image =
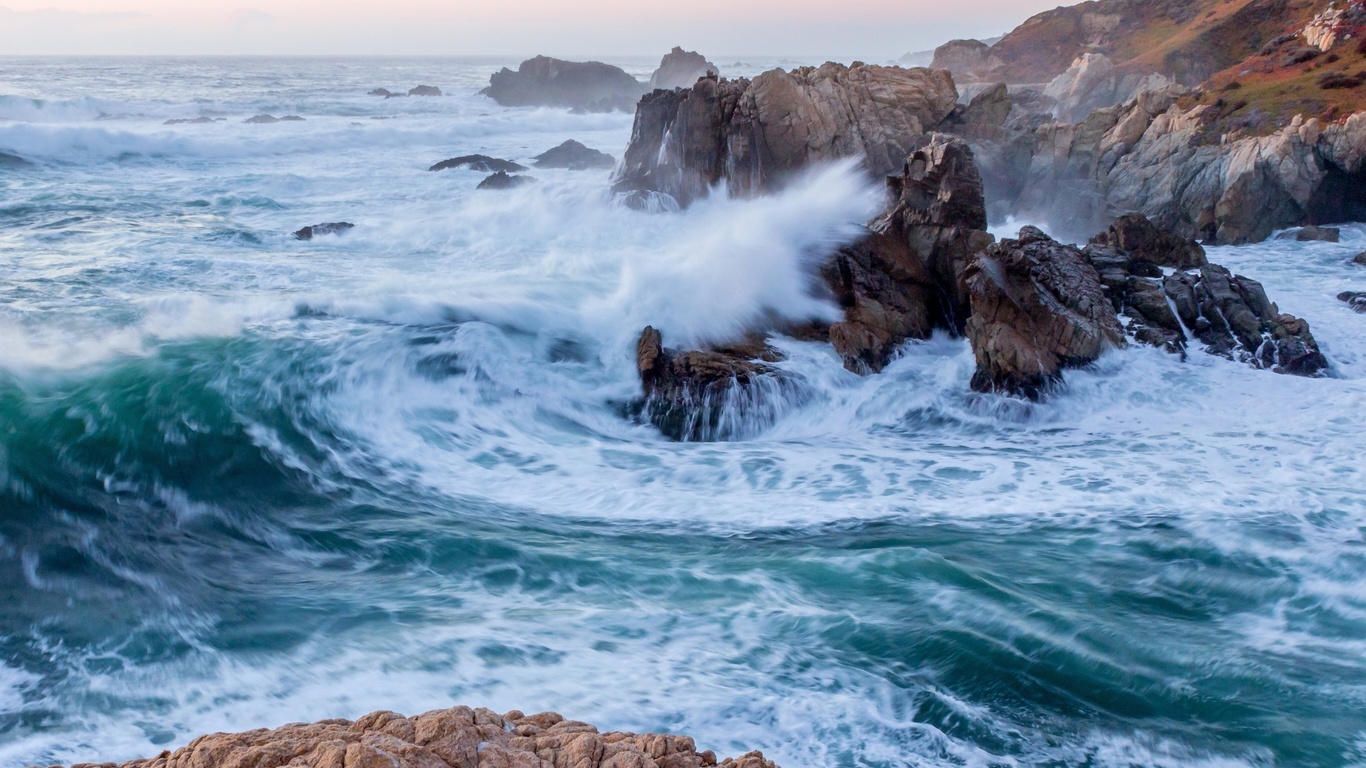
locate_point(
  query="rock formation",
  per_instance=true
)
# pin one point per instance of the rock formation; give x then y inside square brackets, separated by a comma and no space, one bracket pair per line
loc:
[189,121]
[1354,299]
[1093,82]
[330,228]
[1229,314]
[425,90]
[1313,234]
[503,180]
[385,92]
[481,163]
[1038,307]
[681,69]
[1360,259]
[451,738]
[262,120]
[545,82]
[574,156]
[754,135]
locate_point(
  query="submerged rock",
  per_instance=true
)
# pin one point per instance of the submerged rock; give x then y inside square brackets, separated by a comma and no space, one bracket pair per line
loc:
[189,121]
[1038,307]
[1354,299]
[13,161]
[450,738]
[574,156]
[291,119]
[481,163]
[681,69]
[425,90]
[1311,234]
[545,82]
[502,180]
[385,92]
[262,120]
[318,230]
[756,135]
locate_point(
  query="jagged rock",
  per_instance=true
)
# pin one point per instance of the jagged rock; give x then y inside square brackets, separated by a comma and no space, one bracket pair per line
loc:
[262,120]
[1093,82]
[1142,241]
[546,82]
[452,738]
[755,135]
[681,69]
[189,121]
[574,156]
[317,230]
[1037,307]
[481,163]
[722,392]
[1354,299]
[424,90]
[502,180]
[1234,318]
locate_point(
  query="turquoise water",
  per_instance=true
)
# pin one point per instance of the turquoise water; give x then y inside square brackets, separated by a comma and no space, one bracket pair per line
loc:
[246,480]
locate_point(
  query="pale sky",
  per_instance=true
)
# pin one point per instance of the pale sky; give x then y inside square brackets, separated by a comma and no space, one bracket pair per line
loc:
[873,30]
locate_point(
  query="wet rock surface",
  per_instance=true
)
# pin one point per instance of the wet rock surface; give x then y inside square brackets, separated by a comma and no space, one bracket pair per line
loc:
[1354,299]
[545,82]
[452,738]
[481,163]
[1038,307]
[574,156]
[504,180]
[318,230]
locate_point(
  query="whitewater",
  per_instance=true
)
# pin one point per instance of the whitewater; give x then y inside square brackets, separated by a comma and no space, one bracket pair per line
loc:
[247,480]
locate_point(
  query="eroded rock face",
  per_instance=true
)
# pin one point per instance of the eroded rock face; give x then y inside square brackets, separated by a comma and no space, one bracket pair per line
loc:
[545,82]
[1141,241]
[1038,307]
[450,738]
[681,69]
[1093,82]
[755,135]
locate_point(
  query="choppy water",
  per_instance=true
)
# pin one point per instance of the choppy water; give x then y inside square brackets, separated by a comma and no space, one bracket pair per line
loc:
[246,480]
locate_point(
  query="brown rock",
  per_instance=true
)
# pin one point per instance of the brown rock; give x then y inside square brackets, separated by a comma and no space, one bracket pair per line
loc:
[755,135]
[1037,307]
[389,740]
[1143,242]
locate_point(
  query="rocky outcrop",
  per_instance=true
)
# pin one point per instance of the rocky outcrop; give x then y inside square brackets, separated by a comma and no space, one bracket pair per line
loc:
[271,119]
[1093,82]
[424,90]
[1154,156]
[385,92]
[681,69]
[723,392]
[201,120]
[545,82]
[574,156]
[504,180]
[1229,314]
[964,57]
[1354,299]
[450,738]
[481,163]
[1313,234]
[755,135]
[318,230]
[1360,258]
[1038,307]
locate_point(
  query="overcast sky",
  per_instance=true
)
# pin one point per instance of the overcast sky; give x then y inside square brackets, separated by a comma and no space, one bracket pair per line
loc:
[873,30]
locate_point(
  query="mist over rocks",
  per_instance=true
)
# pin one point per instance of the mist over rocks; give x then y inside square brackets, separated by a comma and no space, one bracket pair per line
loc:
[756,135]
[681,69]
[503,180]
[590,86]
[460,737]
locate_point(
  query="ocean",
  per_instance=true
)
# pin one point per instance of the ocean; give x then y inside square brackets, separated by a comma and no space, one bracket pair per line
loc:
[247,480]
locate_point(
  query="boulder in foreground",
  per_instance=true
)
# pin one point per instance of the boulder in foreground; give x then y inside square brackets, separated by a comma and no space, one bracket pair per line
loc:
[589,86]
[449,738]
[1038,308]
